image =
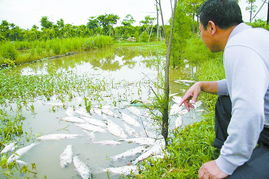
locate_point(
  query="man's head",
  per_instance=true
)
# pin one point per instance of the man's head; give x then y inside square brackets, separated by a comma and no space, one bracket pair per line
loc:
[217,19]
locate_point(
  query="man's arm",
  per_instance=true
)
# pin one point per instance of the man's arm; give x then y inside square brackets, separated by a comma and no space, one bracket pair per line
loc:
[247,79]
[206,86]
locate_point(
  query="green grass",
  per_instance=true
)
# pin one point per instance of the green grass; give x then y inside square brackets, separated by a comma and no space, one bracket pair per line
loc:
[191,146]
[27,51]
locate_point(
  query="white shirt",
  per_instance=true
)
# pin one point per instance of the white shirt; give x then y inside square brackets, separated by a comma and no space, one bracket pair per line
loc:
[246,63]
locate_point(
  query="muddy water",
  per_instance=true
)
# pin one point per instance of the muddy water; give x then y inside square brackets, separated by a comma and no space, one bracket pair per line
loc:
[128,76]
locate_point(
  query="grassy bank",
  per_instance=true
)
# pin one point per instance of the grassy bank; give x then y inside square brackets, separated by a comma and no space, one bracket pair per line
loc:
[26,51]
[192,146]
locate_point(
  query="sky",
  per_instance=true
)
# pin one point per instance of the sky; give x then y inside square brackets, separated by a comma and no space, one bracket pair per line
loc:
[26,13]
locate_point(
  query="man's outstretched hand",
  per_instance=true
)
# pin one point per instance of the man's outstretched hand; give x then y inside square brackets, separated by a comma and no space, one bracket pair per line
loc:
[191,96]
[210,170]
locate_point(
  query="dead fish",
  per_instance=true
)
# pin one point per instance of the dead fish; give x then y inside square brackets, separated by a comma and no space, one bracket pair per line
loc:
[183,112]
[125,170]
[155,150]
[90,134]
[9,148]
[91,127]
[94,121]
[141,140]
[174,94]
[73,119]
[58,136]
[81,168]
[175,109]
[185,81]
[129,153]
[69,112]
[20,162]
[115,129]
[106,110]
[82,112]
[97,111]
[107,142]
[130,131]
[178,121]
[197,104]
[128,119]
[66,156]
[176,99]
[134,111]
[20,152]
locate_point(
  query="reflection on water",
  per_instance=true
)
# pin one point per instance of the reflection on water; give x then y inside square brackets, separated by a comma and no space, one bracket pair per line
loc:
[129,75]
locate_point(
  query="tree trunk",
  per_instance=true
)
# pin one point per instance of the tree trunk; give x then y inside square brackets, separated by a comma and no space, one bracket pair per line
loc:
[157,16]
[165,116]
[268,12]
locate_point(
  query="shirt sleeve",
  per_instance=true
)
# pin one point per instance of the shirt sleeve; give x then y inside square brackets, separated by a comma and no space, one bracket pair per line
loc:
[222,87]
[247,81]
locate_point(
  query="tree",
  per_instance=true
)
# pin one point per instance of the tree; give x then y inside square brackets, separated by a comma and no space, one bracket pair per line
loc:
[251,8]
[93,22]
[45,23]
[60,24]
[107,21]
[128,20]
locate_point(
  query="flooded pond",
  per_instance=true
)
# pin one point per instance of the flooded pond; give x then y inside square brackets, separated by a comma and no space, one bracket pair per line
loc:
[97,110]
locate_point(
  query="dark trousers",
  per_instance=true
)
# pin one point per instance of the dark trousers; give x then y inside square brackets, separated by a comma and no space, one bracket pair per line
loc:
[258,165]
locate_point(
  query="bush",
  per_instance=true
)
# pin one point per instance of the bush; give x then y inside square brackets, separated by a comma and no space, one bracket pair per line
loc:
[8,51]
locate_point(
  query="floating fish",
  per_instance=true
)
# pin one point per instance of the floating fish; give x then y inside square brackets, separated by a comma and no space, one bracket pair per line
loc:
[134,110]
[106,110]
[107,142]
[128,119]
[58,136]
[81,168]
[20,162]
[197,104]
[66,156]
[129,153]
[82,112]
[185,81]
[20,152]
[141,140]
[155,150]
[175,109]
[183,112]
[73,119]
[115,129]
[90,134]
[178,121]
[176,99]
[9,148]
[174,94]
[69,112]
[91,127]
[130,131]
[94,121]
[125,170]
[97,111]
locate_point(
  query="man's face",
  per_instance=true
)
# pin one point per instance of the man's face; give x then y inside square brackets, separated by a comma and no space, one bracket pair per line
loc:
[208,38]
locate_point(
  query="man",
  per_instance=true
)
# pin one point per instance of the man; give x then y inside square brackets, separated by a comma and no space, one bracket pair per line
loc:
[242,109]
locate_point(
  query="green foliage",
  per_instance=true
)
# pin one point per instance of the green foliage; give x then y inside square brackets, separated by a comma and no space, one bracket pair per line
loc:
[45,23]
[8,51]
[260,23]
[128,20]
[34,50]
[196,52]
[182,31]
[191,146]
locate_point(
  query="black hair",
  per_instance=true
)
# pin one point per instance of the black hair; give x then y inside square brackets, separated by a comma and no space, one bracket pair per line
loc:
[224,13]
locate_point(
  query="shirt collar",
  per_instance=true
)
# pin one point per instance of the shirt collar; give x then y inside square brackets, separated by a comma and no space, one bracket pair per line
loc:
[239,28]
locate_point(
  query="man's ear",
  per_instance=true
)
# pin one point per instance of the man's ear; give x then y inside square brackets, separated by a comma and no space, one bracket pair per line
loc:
[211,27]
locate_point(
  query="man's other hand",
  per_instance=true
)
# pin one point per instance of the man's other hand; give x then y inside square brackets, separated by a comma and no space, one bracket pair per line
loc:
[210,170]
